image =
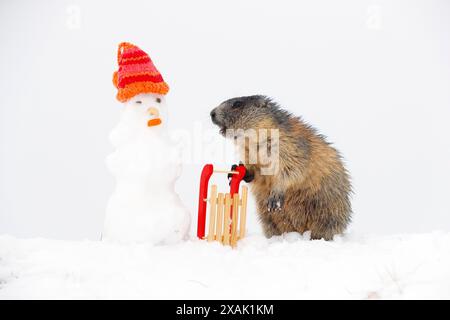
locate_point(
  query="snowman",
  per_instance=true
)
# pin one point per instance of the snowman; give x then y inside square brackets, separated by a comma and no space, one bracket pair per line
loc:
[144,206]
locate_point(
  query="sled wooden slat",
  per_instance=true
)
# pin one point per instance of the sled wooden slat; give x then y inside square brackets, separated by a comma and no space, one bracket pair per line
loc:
[243,214]
[219,222]
[226,223]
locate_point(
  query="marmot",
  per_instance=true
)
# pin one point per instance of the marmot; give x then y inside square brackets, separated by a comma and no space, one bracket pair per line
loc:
[311,188]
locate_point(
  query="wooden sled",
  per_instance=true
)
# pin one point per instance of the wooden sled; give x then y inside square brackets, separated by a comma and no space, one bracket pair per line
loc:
[228,211]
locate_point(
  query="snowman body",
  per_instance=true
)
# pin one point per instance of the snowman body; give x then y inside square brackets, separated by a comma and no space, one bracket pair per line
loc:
[144,206]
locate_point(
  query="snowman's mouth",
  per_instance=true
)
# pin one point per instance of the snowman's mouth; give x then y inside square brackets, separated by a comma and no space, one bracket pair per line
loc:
[154,122]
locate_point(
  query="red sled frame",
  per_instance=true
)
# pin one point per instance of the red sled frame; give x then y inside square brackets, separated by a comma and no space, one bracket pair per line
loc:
[237,175]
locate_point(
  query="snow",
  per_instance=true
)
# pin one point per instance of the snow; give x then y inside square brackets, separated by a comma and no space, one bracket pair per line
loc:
[144,206]
[414,266]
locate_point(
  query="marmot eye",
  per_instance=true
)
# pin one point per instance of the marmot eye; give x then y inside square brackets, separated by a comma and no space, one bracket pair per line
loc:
[237,104]
[138,101]
[158,100]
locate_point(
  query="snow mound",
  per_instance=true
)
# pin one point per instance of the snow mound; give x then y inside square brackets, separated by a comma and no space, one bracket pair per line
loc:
[286,267]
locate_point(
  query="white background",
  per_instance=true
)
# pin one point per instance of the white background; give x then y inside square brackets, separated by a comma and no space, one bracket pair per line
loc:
[374,76]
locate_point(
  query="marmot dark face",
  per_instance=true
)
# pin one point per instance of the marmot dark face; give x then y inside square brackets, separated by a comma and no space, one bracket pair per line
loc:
[242,113]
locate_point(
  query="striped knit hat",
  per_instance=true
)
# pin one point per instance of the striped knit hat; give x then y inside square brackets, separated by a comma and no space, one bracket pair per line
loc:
[137,73]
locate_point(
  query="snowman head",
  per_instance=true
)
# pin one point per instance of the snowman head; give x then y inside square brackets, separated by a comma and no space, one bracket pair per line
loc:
[149,108]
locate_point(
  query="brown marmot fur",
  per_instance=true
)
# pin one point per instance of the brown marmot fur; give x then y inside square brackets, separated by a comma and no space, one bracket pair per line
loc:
[311,188]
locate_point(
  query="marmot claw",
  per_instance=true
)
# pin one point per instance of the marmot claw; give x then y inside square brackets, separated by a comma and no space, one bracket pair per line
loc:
[230,175]
[275,202]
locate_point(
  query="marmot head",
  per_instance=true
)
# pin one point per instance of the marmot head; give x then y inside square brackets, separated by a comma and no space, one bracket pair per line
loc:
[251,112]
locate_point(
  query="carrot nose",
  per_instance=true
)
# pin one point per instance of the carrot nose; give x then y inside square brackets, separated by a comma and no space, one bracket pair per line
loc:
[155,121]
[153,112]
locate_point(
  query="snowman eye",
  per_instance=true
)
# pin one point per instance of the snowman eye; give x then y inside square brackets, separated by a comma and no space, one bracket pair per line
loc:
[138,101]
[158,100]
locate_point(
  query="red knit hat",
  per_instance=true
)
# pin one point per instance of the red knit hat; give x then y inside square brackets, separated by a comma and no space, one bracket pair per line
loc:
[137,73]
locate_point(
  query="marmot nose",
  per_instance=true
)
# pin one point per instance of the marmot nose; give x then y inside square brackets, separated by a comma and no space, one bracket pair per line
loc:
[213,114]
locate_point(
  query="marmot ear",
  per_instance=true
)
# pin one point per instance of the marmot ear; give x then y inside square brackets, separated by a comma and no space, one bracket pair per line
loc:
[263,101]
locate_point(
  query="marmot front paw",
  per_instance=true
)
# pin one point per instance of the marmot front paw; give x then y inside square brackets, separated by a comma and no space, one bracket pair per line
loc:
[248,177]
[275,202]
